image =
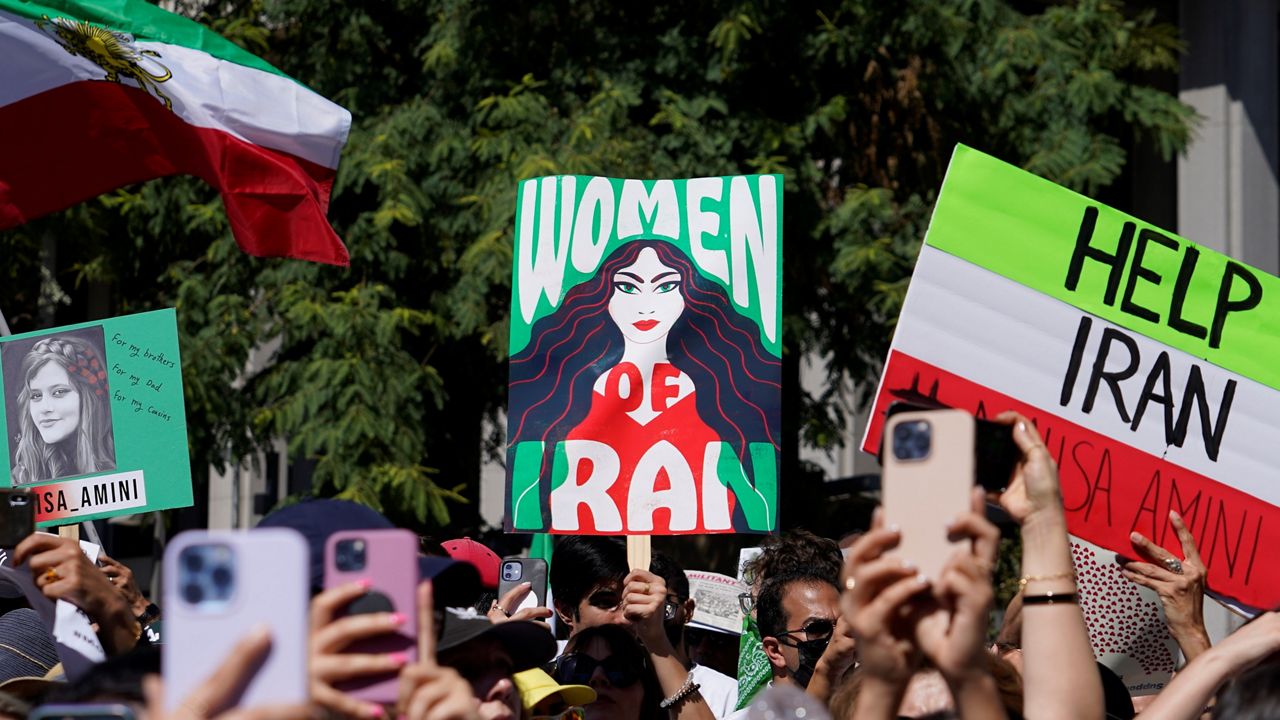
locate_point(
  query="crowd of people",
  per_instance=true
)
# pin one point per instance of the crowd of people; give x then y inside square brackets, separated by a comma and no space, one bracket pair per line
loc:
[852,632]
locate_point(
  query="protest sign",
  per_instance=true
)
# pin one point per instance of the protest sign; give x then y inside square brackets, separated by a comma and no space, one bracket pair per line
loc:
[716,603]
[95,419]
[1126,621]
[646,339]
[1146,362]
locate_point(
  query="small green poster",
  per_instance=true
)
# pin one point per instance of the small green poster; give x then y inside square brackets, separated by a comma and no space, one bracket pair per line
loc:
[94,418]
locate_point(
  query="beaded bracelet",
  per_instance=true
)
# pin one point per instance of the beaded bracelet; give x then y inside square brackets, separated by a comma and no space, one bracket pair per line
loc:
[1022,581]
[690,687]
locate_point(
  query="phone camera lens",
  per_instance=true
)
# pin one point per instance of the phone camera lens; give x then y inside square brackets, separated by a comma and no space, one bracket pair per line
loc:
[912,440]
[221,576]
[193,560]
[192,593]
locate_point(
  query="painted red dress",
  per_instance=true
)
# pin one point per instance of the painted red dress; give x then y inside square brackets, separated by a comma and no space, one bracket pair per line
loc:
[677,422]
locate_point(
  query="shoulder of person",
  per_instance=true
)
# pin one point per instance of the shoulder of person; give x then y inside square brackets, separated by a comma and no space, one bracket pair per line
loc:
[718,690]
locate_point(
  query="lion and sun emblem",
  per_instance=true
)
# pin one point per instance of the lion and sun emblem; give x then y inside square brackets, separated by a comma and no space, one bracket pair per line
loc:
[113,51]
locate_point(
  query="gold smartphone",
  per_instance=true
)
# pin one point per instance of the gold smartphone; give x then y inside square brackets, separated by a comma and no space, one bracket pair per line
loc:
[928,473]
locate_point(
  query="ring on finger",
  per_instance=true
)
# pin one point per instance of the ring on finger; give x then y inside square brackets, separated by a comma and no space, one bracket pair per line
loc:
[850,583]
[1173,565]
[51,575]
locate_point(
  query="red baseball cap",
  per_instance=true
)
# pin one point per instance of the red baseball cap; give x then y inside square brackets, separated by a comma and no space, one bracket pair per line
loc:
[469,551]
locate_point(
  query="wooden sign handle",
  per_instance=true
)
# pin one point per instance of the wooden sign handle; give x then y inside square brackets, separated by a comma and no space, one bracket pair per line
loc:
[639,548]
[70,531]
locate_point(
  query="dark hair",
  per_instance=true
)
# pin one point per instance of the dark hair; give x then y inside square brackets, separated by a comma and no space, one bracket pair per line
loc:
[1251,695]
[583,562]
[795,551]
[665,567]
[621,642]
[771,618]
[714,344]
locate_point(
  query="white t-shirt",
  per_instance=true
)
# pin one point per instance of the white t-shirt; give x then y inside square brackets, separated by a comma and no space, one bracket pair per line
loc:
[719,690]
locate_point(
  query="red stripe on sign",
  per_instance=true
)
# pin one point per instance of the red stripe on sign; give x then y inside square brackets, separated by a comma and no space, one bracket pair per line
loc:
[1110,489]
[80,140]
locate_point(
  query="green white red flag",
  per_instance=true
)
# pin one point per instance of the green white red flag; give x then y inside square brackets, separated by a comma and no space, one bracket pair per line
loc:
[98,94]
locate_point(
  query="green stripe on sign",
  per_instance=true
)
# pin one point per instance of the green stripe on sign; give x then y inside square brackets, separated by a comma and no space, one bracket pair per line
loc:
[145,22]
[1110,264]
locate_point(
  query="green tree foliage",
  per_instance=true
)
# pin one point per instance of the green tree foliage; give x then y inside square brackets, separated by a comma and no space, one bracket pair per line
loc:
[381,374]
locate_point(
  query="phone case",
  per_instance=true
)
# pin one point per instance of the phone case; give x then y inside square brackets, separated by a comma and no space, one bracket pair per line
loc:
[271,588]
[391,566]
[533,571]
[922,496]
[17,516]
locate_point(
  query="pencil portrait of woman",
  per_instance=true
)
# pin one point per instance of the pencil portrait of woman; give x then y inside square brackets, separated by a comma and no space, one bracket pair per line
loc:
[61,402]
[646,350]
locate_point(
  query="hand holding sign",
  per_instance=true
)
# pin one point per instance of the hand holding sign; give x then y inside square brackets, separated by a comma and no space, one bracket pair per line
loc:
[62,572]
[427,690]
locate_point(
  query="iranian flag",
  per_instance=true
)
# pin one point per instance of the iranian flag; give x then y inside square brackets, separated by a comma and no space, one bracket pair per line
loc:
[96,95]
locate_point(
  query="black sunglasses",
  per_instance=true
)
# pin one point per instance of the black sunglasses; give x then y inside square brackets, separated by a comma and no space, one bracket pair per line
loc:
[813,630]
[577,669]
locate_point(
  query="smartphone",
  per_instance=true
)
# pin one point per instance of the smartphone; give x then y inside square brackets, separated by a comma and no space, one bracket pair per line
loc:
[218,585]
[17,516]
[928,473]
[994,451]
[517,570]
[388,559]
[93,711]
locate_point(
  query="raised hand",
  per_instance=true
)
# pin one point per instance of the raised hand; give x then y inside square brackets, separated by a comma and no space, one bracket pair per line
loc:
[1179,582]
[953,638]
[214,698]
[63,572]
[875,604]
[429,691]
[1033,490]
[330,666]
[504,608]
[644,600]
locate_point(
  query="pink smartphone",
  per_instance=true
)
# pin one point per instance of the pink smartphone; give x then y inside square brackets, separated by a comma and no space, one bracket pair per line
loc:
[928,473]
[388,559]
[220,585]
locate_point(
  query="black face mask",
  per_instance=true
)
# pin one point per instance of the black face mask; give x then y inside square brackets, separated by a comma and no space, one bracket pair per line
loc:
[810,651]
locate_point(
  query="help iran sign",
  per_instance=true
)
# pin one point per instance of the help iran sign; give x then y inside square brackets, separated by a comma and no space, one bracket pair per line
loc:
[646,344]
[1149,364]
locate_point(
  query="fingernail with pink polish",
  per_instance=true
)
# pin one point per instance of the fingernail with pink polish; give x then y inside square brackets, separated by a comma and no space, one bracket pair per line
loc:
[364,583]
[398,658]
[377,711]
[397,619]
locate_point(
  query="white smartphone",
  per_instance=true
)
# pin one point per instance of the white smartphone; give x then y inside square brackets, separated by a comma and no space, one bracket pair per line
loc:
[220,585]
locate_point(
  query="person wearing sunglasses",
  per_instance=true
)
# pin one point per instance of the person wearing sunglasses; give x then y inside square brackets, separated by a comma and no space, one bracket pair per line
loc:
[798,614]
[592,588]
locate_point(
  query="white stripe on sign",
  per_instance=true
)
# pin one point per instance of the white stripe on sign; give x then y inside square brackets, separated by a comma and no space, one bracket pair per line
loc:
[90,496]
[257,106]
[1020,342]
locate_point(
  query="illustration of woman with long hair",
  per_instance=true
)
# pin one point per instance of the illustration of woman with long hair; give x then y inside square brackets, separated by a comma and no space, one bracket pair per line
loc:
[64,412]
[646,350]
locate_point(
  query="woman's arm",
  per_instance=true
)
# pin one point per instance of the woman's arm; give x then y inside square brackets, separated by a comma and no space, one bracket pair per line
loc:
[1179,583]
[1060,675]
[1194,686]
[643,600]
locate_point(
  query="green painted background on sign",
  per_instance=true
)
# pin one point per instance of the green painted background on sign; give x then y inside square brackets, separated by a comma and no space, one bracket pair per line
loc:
[148,414]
